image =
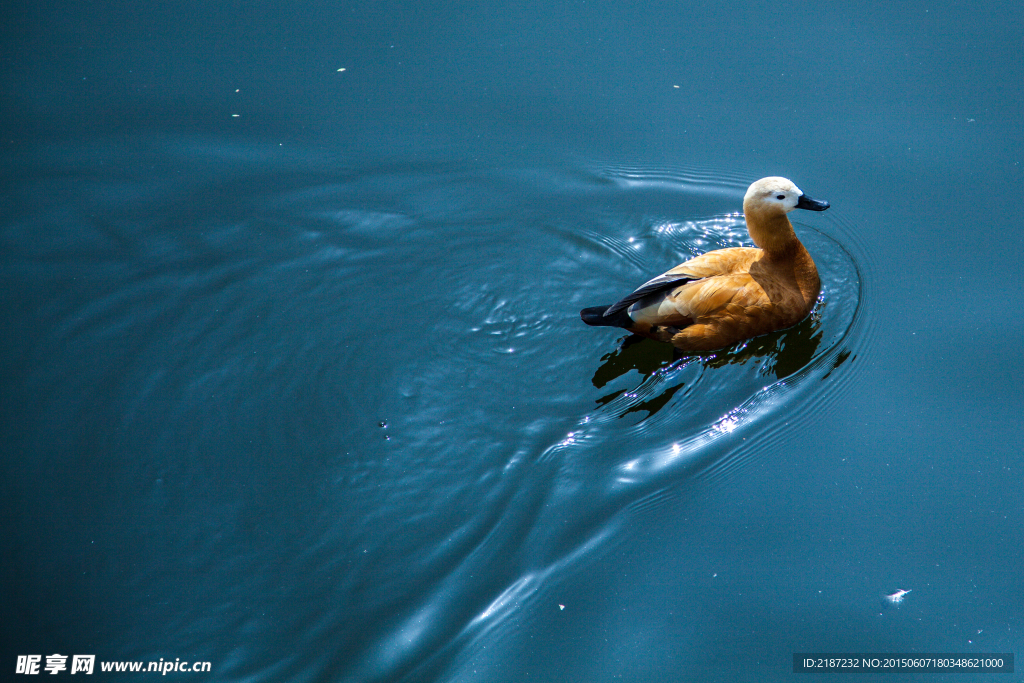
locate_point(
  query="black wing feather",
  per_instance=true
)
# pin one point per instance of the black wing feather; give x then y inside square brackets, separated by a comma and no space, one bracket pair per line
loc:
[658,284]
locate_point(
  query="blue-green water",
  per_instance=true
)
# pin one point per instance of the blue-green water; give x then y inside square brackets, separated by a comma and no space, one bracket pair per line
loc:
[294,380]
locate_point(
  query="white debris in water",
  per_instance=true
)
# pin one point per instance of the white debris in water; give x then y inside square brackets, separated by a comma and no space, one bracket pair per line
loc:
[896,598]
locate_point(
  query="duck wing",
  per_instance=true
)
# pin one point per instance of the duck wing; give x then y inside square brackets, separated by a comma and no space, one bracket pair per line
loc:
[661,283]
[711,264]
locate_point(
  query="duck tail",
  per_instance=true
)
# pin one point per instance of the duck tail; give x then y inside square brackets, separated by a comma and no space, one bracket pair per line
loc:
[595,315]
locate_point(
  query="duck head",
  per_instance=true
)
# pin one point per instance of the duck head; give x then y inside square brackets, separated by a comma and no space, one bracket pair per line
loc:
[765,206]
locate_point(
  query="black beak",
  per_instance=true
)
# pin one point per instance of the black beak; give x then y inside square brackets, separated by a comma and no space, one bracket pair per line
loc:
[806,202]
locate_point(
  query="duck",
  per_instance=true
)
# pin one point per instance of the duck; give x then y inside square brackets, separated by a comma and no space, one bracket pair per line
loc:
[727,296]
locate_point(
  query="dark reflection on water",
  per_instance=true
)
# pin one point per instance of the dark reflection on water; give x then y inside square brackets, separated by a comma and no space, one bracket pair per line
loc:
[355,409]
[786,352]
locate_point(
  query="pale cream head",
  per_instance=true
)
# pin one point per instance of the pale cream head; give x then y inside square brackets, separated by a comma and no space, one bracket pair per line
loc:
[765,207]
[772,193]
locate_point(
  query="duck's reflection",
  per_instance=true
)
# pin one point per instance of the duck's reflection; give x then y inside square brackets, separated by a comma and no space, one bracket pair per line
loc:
[785,352]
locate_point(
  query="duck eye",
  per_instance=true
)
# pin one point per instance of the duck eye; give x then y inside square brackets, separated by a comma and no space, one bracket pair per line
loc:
[781,196]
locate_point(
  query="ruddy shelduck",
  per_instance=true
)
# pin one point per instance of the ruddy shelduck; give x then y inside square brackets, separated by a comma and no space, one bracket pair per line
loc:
[725,296]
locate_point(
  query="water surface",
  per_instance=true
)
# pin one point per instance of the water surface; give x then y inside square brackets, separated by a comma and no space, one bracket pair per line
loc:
[294,380]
